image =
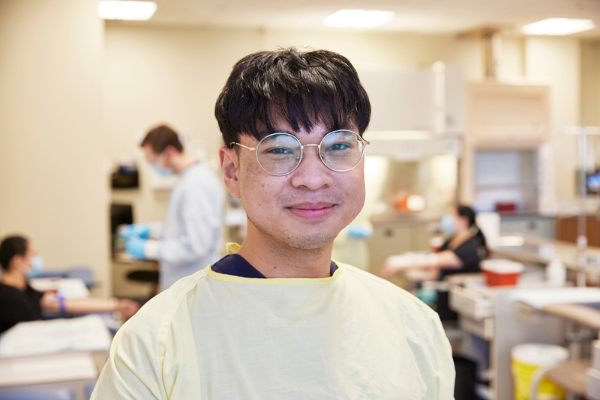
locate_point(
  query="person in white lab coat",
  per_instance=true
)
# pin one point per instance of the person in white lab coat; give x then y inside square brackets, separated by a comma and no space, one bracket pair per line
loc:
[279,319]
[190,237]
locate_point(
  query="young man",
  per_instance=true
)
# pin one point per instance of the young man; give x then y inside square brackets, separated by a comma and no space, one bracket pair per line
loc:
[279,319]
[190,238]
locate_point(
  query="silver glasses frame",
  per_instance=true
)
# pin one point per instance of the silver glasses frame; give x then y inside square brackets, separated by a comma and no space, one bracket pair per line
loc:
[364,141]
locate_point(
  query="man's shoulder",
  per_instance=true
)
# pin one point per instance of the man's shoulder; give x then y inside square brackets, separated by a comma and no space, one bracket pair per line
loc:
[161,310]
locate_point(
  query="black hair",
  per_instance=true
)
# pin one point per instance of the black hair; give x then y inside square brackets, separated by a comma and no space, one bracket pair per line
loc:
[301,88]
[469,213]
[160,137]
[10,247]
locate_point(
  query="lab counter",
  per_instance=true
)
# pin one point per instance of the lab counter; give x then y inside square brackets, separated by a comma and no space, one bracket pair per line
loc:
[63,355]
[539,251]
[531,311]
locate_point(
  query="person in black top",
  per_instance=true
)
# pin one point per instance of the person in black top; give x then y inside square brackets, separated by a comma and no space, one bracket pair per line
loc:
[462,252]
[466,245]
[19,302]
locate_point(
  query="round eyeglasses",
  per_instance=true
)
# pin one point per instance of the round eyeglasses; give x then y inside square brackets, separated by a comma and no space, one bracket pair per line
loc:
[280,154]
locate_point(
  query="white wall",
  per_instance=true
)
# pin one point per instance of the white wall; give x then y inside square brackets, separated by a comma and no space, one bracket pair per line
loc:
[590,74]
[590,104]
[51,163]
[556,62]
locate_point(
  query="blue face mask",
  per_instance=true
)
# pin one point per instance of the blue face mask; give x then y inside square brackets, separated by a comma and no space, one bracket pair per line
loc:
[37,267]
[447,225]
[162,171]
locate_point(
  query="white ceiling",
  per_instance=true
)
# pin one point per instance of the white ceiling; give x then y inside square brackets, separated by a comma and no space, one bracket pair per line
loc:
[433,16]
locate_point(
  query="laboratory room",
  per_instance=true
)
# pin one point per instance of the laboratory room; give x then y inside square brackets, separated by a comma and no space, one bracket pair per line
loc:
[299,200]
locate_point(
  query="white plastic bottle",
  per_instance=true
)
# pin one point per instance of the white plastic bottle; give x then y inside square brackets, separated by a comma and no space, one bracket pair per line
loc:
[556,273]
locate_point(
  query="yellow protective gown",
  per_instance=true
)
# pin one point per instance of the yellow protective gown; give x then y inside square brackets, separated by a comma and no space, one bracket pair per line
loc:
[215,336]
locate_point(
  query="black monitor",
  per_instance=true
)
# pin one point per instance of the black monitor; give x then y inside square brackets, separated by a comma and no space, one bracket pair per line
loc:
[592,182]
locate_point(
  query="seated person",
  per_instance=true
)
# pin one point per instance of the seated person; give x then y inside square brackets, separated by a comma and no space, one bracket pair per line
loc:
[20,302]
[462,251]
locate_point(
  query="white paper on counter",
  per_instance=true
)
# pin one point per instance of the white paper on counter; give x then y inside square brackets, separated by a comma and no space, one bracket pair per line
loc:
[69,288]
[566,295]
[41,337]
[44,369]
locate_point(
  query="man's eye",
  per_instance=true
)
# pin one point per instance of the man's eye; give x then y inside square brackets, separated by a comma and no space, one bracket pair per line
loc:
[279,150]
[339,147]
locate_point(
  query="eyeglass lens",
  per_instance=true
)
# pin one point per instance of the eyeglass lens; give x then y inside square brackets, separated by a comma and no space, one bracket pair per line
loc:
[281,153]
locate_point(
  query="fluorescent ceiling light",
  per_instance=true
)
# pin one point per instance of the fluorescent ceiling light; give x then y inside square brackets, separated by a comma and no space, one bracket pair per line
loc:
[558,26]
[126,10]
[349,18]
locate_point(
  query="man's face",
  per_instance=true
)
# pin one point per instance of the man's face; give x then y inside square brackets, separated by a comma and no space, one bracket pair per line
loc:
[161,163]
[151,156]
[305,209]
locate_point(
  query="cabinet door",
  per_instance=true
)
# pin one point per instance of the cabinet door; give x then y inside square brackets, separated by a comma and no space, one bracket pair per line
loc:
[567,229]
[400,99]
[528,226]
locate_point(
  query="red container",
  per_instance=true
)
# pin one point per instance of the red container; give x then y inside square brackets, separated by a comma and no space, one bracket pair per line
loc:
[506,206]
[496,279]
[501,272]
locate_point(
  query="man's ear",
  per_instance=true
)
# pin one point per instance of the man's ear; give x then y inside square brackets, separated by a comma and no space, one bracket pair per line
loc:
[170,152]
[230,167]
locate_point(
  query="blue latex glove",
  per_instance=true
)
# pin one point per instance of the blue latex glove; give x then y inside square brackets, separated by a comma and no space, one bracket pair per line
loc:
[427,295]
[135,247]
[136,230]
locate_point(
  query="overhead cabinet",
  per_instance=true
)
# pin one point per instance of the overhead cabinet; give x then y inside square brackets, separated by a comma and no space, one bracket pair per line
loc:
[503,115]
[408,100]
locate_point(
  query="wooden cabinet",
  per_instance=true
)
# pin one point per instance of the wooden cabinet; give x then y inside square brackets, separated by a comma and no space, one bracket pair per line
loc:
[567,229]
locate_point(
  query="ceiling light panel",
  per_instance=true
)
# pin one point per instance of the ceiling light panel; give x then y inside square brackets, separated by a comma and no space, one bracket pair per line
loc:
[126,10]
[558,26]
[360,19]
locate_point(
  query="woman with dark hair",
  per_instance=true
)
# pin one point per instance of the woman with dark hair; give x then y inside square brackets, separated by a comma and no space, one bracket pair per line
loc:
[19,302]
[462,251]
[465,246]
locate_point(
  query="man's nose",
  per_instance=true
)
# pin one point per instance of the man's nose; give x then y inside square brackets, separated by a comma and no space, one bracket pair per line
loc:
[311,173]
